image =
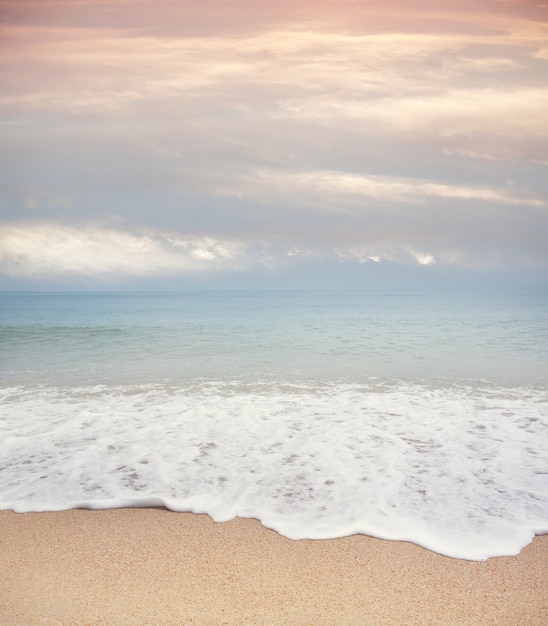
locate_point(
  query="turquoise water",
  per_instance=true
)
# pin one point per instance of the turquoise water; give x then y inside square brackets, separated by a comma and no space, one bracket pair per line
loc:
[501,336]
[405,415]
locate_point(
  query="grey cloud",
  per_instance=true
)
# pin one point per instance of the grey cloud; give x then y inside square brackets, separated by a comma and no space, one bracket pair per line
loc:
[274,137]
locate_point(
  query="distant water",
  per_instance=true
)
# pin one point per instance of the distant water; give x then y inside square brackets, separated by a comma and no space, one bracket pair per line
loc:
[419,416]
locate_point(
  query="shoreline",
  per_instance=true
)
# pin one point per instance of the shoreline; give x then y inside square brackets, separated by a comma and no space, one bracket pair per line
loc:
[154,566]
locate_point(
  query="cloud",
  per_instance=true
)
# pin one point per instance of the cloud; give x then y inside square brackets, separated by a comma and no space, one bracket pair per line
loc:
[90,250]
[426,88]
[323,185]
[184,137]
[464,239]
[494,124]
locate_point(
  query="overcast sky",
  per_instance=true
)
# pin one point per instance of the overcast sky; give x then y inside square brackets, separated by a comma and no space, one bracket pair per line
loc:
[245,143]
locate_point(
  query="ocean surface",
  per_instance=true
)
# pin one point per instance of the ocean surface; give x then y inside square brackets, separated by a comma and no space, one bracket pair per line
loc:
[410,415]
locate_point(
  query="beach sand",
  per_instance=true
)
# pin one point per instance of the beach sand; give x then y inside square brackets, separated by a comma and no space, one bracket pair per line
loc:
[153,566]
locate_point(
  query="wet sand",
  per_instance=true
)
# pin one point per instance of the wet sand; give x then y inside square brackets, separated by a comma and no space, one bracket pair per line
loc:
[153,566]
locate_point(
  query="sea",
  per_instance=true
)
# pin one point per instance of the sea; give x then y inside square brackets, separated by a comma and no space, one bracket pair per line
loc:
[416,415]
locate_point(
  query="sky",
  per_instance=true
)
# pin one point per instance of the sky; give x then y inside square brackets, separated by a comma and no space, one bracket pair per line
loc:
[174,144]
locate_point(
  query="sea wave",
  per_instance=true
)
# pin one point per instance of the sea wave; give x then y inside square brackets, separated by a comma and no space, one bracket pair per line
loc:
[456,467]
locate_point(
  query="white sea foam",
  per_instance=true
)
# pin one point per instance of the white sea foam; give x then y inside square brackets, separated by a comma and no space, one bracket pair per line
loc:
[458,468]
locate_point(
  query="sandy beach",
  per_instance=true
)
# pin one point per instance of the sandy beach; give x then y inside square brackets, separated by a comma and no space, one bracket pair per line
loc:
[153,566]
